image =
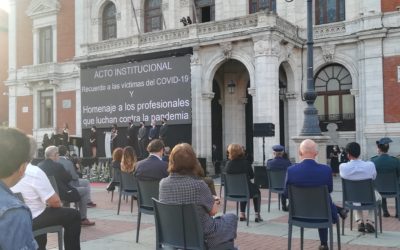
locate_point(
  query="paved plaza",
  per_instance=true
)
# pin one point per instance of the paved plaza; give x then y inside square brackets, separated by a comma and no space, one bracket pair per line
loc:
[114,231]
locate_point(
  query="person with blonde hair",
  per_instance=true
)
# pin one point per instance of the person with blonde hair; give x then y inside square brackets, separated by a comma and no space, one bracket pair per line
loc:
[185,186]
[129,160]
[238,164]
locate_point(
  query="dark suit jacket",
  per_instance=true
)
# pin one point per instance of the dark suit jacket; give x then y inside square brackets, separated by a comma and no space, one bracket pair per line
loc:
[151,168]
[309,173]
[153,133]
[52,168]
[163,131]
[278,163]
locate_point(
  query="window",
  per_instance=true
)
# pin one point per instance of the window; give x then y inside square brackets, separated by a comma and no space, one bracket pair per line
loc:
[45,45]
[329,11]
[109,21]
[153,16]
[46,108]
[205,11]
[334,102]
[257,5]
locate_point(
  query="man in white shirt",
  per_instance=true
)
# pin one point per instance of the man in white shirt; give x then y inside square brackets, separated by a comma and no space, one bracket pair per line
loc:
[357,169]
[45,206]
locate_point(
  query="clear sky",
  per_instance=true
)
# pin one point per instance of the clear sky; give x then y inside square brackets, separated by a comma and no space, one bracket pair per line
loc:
[4,5]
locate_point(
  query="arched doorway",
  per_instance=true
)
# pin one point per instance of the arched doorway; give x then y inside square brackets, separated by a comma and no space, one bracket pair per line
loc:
[231,107]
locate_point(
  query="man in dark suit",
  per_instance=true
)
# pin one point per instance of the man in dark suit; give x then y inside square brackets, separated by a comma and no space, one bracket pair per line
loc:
[386,163]
[279,163]
[142,137]
[153,167]
[67,193]
[309,173]
[133,136]
[153,131]
[163,131]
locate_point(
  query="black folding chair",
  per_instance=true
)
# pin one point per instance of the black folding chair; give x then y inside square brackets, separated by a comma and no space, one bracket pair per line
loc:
[310,207]
[276,181]
[128,188]
[360,195]
[147,190]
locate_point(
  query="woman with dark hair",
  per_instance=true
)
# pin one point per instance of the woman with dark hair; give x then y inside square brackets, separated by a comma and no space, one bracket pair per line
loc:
[65,135]
[129,160]
[114,137]
[116,166]
[185,186]
[335,160]
[238,164]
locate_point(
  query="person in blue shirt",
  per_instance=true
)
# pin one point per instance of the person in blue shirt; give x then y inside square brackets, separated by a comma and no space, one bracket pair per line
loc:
[279,163]
[15,216]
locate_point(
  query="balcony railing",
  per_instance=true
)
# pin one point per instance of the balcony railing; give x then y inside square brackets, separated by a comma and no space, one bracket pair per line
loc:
[345,122]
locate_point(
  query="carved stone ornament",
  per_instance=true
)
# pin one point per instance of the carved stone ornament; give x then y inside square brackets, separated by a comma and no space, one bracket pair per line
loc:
[43,7]
[184,3]
[226,49]
[267,47]
[328,52]
[194,59]
[252,91]
[207,95]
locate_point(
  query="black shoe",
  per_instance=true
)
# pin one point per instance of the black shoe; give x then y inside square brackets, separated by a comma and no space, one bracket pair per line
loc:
[386,214]
[369,228]
[323,247]
[343,213]
[242,218]
[258,219]
[110,187]
[361,227]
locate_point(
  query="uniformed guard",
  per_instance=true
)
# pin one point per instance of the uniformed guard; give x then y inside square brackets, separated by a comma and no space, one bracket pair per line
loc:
[385,163]
[279,162]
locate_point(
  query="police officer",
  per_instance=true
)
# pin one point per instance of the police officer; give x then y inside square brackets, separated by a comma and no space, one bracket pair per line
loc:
[384,163]
[277,163]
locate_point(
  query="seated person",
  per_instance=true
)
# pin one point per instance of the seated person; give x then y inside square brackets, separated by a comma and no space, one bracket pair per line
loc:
[15,216]
[153,167]
[239,165]
[183,180]
[76,182]
[45,205]
[309,173]
[116,168]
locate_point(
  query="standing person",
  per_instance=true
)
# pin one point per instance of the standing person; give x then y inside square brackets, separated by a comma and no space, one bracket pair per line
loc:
[357,169]
[279,163]
[66,192]
[93,141]
[45,205]
[15,216]
[142,138]
[114,137]
[163,131]
[238,164]
[335,160]
[386,163]
[46,141]
[153,131]
[184,186]
[65,135]
[129,160]
[133,136]
[343,156]
[153,167]
[309,173]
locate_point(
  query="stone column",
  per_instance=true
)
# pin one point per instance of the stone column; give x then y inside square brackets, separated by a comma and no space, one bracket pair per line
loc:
[266,98]
[196,79]
[206,130]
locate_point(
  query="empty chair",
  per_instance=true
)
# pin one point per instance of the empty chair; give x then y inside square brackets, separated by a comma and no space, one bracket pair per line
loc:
[178,226]
[128,188]
[387,184]
[360,195]
[260,176]
[236,189]
[146,191]
[116,179]
[223,171]
[276,181]
[310,207]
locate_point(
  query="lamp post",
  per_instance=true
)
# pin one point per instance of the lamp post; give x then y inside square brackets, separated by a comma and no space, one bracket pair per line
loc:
[231,87]
[311,121]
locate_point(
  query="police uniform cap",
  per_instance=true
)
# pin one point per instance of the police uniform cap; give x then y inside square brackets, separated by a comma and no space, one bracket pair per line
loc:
[384,140]
[278,148]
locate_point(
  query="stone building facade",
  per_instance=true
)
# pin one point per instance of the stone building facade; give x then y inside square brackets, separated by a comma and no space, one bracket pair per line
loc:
[248,64]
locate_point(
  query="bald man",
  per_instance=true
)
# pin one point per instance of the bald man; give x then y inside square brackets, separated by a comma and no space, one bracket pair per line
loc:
[309,173]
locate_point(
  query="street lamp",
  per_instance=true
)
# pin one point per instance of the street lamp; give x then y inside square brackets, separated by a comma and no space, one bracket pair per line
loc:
[231,87]
[311,122]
